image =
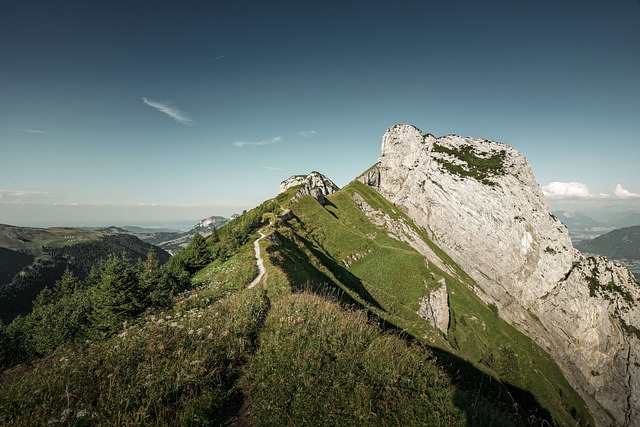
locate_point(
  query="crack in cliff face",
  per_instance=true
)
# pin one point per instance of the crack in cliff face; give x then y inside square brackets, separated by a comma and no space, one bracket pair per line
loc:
[566,276]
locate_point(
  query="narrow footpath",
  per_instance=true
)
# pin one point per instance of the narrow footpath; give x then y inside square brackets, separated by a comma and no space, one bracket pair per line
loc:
[259,261]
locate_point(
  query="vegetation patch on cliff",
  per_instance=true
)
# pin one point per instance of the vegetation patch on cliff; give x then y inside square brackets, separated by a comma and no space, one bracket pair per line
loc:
[472,164]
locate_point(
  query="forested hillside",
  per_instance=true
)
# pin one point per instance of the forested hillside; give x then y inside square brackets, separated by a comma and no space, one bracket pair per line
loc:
[34,259]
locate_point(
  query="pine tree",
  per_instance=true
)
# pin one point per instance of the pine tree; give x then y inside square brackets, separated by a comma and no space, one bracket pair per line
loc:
[149,271]
[119,295]
[197,254]
[67,284]
[155,281]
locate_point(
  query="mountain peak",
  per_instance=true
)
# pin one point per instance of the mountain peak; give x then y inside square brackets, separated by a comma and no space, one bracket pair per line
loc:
[479,201]
[315,185]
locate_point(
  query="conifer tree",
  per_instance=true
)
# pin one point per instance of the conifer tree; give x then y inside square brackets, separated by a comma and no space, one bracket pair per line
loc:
[67,284]
[118,296]
[197,254]
[155,281]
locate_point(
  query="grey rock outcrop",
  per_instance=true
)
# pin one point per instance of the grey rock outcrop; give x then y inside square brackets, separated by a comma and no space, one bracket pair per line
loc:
[315,185]
[434,308]
[479,201]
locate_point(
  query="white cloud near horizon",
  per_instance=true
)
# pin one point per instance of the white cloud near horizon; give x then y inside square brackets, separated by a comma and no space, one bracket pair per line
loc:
[307,133]
[17,196]
[274,140]
[624,193]
[557,190]
[171,111]
[579,190]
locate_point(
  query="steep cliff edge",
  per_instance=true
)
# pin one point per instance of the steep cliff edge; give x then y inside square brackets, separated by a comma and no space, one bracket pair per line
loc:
[479,201]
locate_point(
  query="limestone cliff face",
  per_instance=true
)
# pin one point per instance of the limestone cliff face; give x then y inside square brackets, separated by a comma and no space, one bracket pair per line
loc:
[315,185]
[479,201]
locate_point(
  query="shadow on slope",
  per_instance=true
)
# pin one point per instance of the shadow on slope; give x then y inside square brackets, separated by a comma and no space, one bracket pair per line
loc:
[12,263]
[386,277]
[308,268]
[484,399]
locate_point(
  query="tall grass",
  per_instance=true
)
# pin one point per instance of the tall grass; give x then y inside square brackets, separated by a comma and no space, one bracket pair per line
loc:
[176,369]
[320,364]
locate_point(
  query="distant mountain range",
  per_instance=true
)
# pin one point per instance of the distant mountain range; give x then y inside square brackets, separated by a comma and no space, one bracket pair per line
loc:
[171,241]
[622,244]
[585,226]
[581,226]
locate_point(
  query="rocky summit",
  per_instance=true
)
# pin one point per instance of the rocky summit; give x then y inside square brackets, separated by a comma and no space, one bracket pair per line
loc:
[479,201]
[315,185]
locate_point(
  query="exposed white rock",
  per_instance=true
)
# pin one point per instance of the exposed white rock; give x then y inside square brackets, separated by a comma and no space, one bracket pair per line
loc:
[480,202]
[434,308]
[315,185]
[292,181]
[212,221]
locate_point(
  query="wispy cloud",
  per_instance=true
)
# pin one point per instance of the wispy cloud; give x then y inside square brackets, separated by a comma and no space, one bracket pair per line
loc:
[29,130]
[271,168]
[624,193]
[171,111]
[307,133]
[269,141]
[559,190]
[216,59]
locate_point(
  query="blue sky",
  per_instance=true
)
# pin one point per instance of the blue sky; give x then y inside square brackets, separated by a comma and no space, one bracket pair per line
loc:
[157,111]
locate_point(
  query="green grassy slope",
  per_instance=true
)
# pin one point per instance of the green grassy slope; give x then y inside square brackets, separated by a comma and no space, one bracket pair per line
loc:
[336,245]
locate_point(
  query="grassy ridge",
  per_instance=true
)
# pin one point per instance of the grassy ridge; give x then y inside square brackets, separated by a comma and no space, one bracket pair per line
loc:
[319,364]
[31,240]
[391,278]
